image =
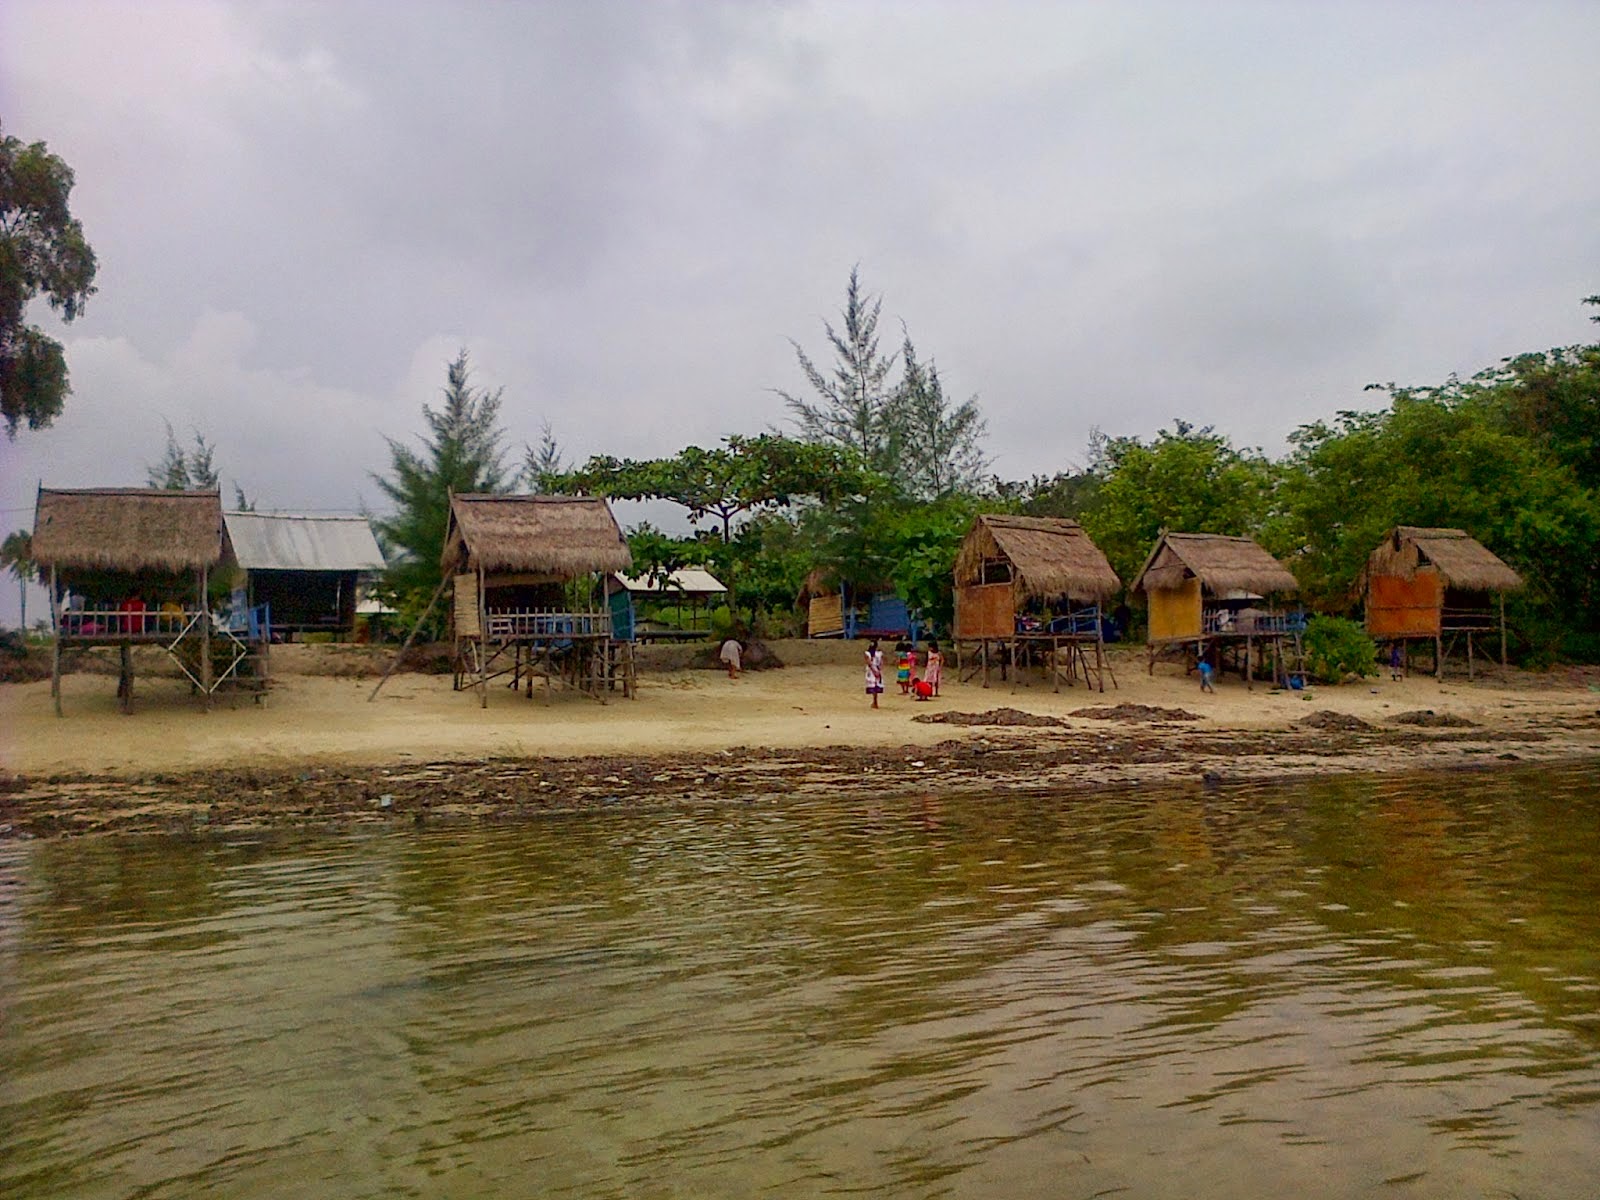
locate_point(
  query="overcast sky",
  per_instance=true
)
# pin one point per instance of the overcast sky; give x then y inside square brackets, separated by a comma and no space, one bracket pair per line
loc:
[1088,214]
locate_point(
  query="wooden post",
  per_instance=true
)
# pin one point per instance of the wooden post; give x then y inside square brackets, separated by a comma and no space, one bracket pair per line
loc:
[1503,662]
[1469,656]
[426,613]
[1438,656]
[55,646]
[125,678]
[1249,663]
[1055,662]
[205,640]
[483,644]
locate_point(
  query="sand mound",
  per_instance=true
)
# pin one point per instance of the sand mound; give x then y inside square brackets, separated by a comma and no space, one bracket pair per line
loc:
[993,716]
[1433,720]
[1328,719]
[1134,712]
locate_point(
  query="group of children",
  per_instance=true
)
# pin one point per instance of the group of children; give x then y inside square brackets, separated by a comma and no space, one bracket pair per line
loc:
[923,685]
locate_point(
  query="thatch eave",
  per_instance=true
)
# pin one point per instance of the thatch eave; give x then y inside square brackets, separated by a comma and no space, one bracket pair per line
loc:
[559,536]
[129,530]
[1223,563]
[1051,558]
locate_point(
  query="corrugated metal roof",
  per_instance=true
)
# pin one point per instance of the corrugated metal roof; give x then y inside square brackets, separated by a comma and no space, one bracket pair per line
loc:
[688,580]
[284,542]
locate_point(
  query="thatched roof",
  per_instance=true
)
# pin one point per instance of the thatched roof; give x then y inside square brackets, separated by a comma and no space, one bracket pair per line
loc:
[1222,564]
[1049,556]
[1464,561]
[128,529]
[566,536]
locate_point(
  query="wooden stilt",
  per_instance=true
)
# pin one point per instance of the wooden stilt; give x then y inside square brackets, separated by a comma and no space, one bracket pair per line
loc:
[411,637]
[1469,656]
[205,641]
[1249,663]
[1502,597]
[483,656]
[55,645]
[1055,662]
[125,678]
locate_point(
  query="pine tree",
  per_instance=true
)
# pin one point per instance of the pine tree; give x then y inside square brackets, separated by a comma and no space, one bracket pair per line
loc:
[544,464]
[856,406]
[460,453]
[943,443]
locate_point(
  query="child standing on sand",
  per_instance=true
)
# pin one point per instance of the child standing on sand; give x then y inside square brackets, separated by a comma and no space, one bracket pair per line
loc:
[1206,672]
[933,670]
[905,664]
[874,672]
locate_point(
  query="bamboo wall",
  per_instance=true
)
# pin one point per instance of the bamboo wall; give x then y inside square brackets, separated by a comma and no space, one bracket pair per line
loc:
[825,615]
[466,606]
[1175,612]
[985,610]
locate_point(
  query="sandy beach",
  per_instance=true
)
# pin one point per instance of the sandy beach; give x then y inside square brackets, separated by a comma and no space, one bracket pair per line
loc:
[317,751]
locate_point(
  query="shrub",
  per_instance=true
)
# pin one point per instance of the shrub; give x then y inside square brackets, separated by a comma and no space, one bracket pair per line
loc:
[1336,647]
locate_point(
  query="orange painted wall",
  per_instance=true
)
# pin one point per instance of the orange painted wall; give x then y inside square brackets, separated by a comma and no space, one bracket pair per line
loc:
[1401,607]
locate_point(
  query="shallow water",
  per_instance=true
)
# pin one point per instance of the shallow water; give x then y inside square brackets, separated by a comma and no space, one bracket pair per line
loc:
[1347,988]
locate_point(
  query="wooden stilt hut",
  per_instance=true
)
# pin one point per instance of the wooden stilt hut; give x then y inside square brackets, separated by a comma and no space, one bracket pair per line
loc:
[1436,585]
[1032,588]
[1214,596]
[511,561]
[129,567]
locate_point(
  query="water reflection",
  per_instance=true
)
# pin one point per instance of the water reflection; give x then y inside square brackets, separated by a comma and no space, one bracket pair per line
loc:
[1327,988]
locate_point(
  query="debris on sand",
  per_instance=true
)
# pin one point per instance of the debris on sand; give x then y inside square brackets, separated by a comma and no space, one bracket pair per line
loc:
[994,716]
[1328,719]
[1135,712]
[1433,720]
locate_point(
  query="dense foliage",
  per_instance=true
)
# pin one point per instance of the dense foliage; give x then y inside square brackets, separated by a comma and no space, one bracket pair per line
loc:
[1336,647]
[43,252]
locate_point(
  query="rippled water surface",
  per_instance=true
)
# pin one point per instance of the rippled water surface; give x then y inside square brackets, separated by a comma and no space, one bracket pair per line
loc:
[1373,987]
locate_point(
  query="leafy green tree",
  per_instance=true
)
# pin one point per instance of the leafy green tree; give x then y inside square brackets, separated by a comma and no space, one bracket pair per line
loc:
[461,452]
[16,555]
[42,252]
[942,443]
[727,484]
[1185,480]
[856,406]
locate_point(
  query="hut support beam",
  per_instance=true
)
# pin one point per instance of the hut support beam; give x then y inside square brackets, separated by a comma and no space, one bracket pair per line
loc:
[55,644]
[1438,656]
[1502,597]
[125,678]
[205,641]
[426,613]
[483,658]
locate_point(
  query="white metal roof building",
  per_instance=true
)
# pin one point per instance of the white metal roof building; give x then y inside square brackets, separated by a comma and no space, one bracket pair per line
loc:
[290,542]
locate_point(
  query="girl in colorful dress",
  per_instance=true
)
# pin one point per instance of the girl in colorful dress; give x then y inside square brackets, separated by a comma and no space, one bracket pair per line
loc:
[903,666]
[933,669]
[874,672]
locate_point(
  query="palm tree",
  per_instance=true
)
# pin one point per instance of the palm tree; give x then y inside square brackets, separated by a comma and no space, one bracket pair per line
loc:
[16,555]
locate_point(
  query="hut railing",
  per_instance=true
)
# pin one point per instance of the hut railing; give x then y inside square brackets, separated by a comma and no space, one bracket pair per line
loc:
[120,622]
[545,623]
[1462,619]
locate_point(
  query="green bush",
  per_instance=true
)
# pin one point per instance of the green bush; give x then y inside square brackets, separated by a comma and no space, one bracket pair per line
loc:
[1336,647]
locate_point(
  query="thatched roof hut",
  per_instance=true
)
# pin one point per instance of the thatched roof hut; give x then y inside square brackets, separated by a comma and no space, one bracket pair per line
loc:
[129,530]
[1223,565]
[1461,560]
[561,537]
[1046,558]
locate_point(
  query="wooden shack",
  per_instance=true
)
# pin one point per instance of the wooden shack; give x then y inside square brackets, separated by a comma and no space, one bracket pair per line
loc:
[511,561]
[134,566]
[1032,588]
[1437,585]
[690,592]
[306,570]
[1215,595]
